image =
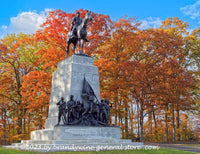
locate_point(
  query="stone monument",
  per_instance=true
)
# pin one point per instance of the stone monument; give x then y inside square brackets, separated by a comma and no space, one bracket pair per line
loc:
[72,125]
[68,80]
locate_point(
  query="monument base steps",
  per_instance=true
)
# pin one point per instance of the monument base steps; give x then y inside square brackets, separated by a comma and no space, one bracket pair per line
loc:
[74,138]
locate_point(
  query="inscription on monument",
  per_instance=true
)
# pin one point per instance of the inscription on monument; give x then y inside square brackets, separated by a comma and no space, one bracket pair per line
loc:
[81,132]
[79,76]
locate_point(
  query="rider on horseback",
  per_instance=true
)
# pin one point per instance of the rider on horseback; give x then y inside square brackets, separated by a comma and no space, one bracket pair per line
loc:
[76,21]
[78,32]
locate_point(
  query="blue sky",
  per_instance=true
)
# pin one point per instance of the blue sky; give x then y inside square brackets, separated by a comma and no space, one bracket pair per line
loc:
[27,15]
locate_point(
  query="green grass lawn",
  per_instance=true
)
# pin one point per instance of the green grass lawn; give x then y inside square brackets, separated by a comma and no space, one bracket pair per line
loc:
[160,151]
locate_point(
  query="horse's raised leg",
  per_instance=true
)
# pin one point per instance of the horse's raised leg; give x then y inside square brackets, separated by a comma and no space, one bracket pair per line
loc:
[80,50]
[74,47]
[67,51]
[82,44]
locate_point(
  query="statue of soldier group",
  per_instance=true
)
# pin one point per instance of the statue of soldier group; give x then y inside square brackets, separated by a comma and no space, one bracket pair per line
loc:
[89,112]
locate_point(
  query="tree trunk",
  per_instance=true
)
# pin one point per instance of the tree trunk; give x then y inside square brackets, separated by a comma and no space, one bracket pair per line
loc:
[126,120]
[19,121]
[131,119]
[156,131]
[141,125]
[173,125]
[123,130]
[166,124]
[115,113]
[19,124]
[24,125]
[178,125]
[138,122]
[9,131]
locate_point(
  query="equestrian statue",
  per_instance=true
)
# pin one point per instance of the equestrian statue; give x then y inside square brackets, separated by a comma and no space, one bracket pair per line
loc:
[78,32]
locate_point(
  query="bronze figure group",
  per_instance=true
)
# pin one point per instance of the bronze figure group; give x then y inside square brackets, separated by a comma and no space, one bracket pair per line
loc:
[89,112]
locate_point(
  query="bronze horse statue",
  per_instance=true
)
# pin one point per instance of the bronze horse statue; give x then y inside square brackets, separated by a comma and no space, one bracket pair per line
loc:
[79,35]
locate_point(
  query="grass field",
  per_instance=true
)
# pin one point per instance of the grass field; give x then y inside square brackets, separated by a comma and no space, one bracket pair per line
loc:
[160,151]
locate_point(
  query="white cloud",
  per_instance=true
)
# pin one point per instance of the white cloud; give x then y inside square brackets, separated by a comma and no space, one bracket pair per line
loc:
[154,22]
[192,10]
[26,22]
[4,27]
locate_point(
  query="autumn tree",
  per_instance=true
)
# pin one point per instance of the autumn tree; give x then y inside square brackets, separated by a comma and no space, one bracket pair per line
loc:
[133,64]
[192,48]
[178,28]
[111,58]
[16,58]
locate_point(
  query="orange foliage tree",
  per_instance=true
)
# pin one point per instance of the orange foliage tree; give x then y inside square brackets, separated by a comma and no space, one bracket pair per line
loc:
[143,66]
[111,58]
[16,58]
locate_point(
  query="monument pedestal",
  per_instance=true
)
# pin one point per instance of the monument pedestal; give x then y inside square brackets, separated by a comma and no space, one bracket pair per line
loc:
[76,133]
[68,80]
[74,138]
